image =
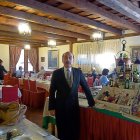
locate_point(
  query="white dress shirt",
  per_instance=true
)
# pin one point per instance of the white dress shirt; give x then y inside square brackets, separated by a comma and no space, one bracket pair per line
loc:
[41,72]
[71,74]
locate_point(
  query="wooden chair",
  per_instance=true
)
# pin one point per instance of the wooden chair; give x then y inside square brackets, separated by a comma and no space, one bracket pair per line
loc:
[26,92]
[36,95]
[90,81]
[10,94]
[6,79]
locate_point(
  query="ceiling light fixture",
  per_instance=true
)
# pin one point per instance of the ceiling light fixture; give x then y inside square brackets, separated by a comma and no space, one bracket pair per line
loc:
[24,29]
[27,47]
[52,44]
[97,36]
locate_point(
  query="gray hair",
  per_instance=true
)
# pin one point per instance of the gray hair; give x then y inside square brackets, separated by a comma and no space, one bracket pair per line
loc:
[93,69]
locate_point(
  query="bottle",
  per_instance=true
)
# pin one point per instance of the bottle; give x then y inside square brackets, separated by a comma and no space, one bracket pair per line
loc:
[127,83]
[9,135]
[116,83]
[120,65]
[111,82]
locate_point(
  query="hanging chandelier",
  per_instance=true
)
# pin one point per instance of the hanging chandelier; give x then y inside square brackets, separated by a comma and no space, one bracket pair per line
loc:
[24,29]
[97,36]
[52,44]
[27,47]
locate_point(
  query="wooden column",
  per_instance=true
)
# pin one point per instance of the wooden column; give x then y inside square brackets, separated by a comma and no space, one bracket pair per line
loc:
[26,60]
[71,46]
[37,64]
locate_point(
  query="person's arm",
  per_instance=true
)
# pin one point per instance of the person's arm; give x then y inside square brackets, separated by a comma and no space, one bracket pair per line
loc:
[4,70]
[53,88]
[86,89]
[106,81]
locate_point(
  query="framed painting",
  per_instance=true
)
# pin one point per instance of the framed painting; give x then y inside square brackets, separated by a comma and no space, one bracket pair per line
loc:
[53,59]
[42,59]
[134,50]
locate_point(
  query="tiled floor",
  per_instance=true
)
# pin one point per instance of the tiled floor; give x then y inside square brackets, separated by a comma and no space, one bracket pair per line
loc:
[35,115]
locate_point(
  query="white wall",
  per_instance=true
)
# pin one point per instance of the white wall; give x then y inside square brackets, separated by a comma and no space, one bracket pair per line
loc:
[43,52]
[4,55]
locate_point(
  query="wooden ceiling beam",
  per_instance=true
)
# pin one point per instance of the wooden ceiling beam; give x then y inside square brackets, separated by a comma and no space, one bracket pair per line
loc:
[46,9]
[99,11]
[36,33]
[110,37]
[17,44]
[41,28]
[125,7]
[12,34]
[42,20]
[22,39]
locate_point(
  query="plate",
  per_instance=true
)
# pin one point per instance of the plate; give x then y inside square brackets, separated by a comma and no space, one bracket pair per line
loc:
[23,138]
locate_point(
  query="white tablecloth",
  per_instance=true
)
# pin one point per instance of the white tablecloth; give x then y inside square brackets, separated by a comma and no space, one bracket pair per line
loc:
[40,83]
[30,129]
[19,93]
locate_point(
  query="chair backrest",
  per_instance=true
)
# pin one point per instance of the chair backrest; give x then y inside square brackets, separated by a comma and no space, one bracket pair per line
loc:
[47,74]
[10,80]
[90,81]
[10,94]
[16,82]
[6,77]
[33,86]
[26,84]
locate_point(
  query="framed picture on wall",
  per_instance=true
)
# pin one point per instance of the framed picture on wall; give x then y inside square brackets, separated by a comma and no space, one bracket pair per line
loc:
[53,59]
[134,50]
[42,59]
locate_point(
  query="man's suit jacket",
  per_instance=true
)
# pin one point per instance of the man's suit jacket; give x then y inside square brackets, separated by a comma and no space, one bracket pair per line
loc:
[66,100]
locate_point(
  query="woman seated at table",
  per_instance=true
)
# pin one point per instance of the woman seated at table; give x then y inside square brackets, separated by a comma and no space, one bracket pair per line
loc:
[104,80]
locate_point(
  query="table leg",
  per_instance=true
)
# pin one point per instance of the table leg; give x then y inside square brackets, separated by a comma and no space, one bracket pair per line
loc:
[52,129]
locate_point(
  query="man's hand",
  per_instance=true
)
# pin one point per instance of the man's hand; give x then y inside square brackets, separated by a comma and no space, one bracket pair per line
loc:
[52,112]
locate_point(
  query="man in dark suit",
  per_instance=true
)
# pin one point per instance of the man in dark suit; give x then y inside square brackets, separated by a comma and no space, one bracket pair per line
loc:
[64,105]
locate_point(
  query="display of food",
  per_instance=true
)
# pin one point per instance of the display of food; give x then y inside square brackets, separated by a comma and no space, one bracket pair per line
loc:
[118,100]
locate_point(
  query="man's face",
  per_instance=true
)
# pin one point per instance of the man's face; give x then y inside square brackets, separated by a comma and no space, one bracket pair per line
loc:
[68,60]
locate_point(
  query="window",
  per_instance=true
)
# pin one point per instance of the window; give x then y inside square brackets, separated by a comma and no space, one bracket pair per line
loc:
[30,67]
[20,61]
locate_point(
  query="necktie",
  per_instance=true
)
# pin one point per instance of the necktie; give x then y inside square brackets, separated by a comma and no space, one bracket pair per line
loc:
[69,77]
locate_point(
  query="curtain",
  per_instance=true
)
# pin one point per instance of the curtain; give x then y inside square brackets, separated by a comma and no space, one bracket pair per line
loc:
[14,57]
[96,54]
[32,54]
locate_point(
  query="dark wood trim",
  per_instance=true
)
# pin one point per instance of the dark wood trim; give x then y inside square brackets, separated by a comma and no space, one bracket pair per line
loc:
[102,13]
[25,60]
[71,47]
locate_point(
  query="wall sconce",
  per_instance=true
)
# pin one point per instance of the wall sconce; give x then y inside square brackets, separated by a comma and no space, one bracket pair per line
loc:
[52,44]
[24,29]
[27,47]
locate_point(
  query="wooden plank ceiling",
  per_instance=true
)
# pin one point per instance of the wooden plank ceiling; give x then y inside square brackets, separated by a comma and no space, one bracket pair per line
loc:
[65,20]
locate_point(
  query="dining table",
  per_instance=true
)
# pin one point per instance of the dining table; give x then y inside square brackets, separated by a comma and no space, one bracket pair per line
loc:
[45,84]
[97,123]
[19,93]
[30,131]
